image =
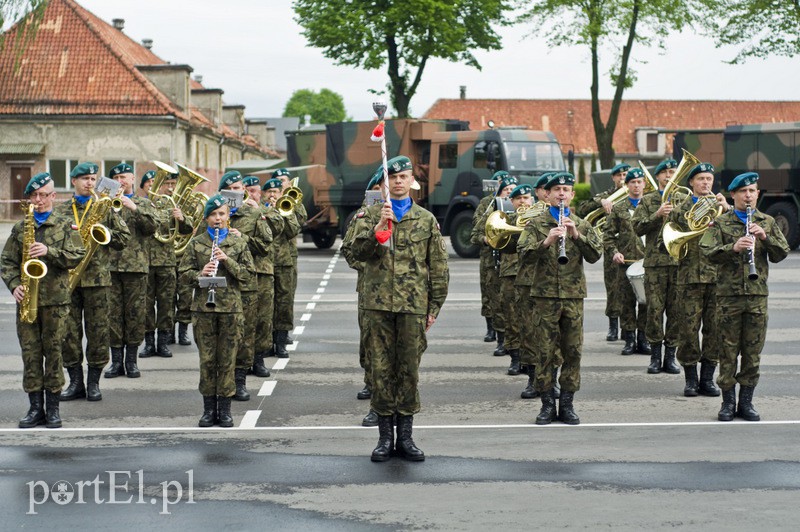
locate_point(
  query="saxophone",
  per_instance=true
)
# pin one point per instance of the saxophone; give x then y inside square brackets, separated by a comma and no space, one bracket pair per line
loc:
[32,271]
[93,234]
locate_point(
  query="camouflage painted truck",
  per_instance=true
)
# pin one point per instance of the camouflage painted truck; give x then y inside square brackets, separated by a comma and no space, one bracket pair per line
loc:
[450,163]
[772,150]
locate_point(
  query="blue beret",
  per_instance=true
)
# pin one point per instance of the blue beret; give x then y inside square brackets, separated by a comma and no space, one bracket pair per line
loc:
[37,182]
[700,168]
[634,173]
[542,181]
[743,180]
[121,168]
[399,164]
[500,174]
[250,181]
[280,172]
[147,177]
[665,165]
[228,178]
[621,167]
[506,181]
[272,182]
[214,202]
[377,178]
[519,190]
[84,169]
[561,178]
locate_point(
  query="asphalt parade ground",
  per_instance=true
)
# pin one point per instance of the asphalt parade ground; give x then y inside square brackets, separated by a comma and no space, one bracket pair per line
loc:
[643,457]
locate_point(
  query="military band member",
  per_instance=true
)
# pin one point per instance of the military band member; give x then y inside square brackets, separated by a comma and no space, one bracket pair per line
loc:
[129,266]
[217,329]
[58,245]
[625,247]
[252,185]
[660,274]
[558,295]
[404,290]
[89,304]
[741,300]
[697,278]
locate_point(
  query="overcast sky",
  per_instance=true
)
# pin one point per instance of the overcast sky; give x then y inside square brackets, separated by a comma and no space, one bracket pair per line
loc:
[254,51]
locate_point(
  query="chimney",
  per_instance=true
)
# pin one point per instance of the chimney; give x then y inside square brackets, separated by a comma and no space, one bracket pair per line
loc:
[463,91]
[118,23]
[147,43]
[199,78]
[307,121]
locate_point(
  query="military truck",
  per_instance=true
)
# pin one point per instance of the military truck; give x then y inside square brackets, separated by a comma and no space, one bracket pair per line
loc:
[450,163]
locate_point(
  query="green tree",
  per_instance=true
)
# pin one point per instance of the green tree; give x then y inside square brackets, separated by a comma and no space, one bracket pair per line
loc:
[401,34]
[613,27]
[764,27]
[21,35]
[325,107]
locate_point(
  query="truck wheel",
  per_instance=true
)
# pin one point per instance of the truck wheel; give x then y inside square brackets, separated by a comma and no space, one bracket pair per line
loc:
[460,229]
[785,215]
[323,239]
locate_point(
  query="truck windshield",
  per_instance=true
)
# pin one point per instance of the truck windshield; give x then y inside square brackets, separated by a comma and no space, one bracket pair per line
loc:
[526,156]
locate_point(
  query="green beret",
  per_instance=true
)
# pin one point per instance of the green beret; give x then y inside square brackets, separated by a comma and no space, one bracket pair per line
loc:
[743,180]
[519,190]
[634,173]
[251,181]
[84,169]
[272,182]
[214,202]
[228,178]
[398,164]
[147,177]
[281,172]
[699,169]
[506,181]
[561,178]
[665,165]
[37,182]
[121,168]
[543,180]
[500,174]
[376,178]
[621,167]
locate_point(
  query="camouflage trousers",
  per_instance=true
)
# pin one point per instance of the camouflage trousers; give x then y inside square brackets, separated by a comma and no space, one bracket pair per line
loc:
[510,310]
[662,296]
[247,341]
[612,281]
[40,343]
[698,303]
[558,324]
[285,286]
[161,284]
[266,309]
[89,306]
[183,303]
[527,337]
[126,308]
[490,292]
[742,332]
[363,354]
[217,337]
[632,314]
[395,342]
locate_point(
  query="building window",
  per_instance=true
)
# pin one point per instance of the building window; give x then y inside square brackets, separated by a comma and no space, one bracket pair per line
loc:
[652,143]
[448,155]
[59,170]
[108,165]
[486,152]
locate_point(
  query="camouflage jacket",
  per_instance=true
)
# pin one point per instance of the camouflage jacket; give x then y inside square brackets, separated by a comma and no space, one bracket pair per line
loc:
[275,222]
[552,279]
[509,259]
[236,270]
[479,223]
[286,242]
[413,278]
[694,268]
[618,233]
[347,250]
[733,268]
[649,224]
[163,254]
[64,252]
[142,224]
[587,206]
[97,271]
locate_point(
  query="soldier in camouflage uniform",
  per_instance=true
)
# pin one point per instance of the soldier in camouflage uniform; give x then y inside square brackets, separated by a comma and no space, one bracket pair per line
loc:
[89,311]
[741,300]
[660,274]
[404,288]
[611,277]
[558,295]
[697,278]
[59,246]
[128,267]
[218,329]
[624,247]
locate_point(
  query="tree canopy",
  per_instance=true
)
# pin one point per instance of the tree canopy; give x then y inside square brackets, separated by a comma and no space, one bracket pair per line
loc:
[764,27]
[325,106]
[12,11]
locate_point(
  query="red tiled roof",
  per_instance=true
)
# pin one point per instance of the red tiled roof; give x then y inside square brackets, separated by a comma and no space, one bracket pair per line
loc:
[571,120]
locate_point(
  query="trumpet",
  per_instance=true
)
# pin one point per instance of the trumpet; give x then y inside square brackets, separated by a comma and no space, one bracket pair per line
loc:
[562,242]
[287,203]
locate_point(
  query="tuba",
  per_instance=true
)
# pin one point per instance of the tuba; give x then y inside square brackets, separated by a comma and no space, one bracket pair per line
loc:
[674,185]
[190,202]
[93,233]
[598,216]
[32,271]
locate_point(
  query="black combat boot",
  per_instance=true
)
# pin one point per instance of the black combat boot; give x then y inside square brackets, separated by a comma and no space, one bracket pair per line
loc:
[405,445]
[745,409]
[92,385]
[530,392]
[513,369]
[224,418]
[52,416]
[162,347]
[117,368]
[280,344]
[289,340]
[383,451]
[613,330]
[566,412]
[149,345]
[728,409]
[670,366]
[706,386]
[76,388]
[35,415]
[630,342]
[209,411]
[171,339]
[491,335]
[548,412]
[183,334]
[642,345]
[131,369]
[259,369]
[370,420]
[500,350]
[365,393]
[240,376]
[655,358]
[691,389]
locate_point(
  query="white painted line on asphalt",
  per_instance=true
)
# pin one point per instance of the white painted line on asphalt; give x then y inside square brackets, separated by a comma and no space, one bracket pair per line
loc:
[267,387]
[326,277]
[282,362]
[305,317]
[249,419]
[311,306]
[323,283]
[329,270]
[292,347]
[315,297]
[300,329]
[320,290]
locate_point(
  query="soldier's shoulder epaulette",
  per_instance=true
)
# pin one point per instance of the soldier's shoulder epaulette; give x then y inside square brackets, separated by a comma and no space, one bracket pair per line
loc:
[361,214]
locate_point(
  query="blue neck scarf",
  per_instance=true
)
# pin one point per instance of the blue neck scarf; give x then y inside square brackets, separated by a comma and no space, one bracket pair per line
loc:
[81,200]
[41,217]
[660,192]
[554,212]
[401,207]
[223,233]
[233,211]
[634,201]
[694,199]
[742,215]
[129,196]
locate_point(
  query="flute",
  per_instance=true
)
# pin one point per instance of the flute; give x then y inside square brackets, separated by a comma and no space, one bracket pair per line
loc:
[562,242]
[751,261]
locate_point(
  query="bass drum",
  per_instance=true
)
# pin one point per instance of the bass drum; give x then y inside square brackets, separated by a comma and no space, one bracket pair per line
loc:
[635,275]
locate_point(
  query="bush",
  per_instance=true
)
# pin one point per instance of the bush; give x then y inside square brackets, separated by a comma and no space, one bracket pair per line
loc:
[582,192]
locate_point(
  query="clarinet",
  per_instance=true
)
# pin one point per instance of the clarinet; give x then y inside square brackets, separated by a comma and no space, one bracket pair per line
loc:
[212,289]
[562,242]
[753,275]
